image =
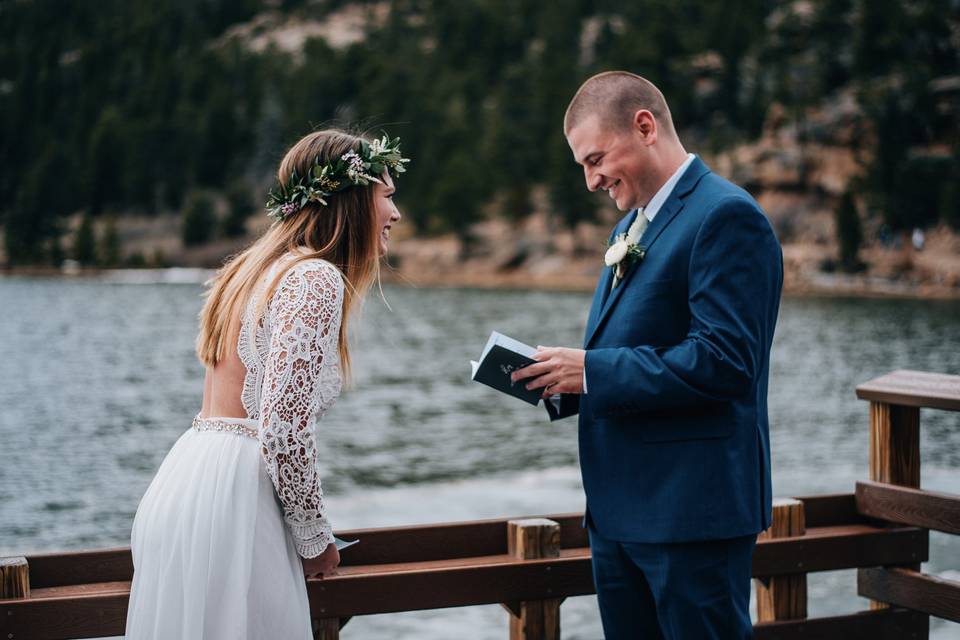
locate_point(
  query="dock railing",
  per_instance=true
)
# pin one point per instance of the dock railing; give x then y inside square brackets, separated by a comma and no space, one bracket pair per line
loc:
[530,565]
[893,493]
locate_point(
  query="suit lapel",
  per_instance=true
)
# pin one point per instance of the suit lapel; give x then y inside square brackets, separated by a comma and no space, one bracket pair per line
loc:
[606,276]
[664,217]
[600,296]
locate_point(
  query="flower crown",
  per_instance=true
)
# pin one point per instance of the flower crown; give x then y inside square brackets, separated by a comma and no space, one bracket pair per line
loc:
[349,170]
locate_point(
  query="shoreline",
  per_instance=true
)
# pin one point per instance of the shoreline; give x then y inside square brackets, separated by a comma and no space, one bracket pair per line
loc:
[818,285]
[842,288]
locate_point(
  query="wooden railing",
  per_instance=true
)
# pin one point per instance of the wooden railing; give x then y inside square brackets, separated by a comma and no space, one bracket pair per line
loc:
[531,565]
[893,493]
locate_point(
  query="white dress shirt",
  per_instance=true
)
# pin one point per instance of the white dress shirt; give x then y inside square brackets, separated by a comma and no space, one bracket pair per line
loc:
[664,192]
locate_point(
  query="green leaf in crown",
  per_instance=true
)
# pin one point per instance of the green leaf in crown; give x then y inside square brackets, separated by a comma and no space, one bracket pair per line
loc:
[354,168]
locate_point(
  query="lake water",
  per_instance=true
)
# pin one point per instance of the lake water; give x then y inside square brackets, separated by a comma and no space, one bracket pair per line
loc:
[98,379]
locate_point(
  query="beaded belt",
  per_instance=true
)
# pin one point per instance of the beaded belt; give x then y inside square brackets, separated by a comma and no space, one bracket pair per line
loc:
[239,426]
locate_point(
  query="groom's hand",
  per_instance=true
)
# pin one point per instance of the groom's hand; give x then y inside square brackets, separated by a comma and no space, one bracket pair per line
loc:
[556,370]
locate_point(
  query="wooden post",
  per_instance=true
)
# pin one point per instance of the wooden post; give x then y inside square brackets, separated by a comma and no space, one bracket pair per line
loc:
[894,450]
[783,597]
[14,577]
[895,444]
[326,629]
[529,540]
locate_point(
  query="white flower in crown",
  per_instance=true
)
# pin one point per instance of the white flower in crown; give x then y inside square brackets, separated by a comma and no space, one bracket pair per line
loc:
[354,165]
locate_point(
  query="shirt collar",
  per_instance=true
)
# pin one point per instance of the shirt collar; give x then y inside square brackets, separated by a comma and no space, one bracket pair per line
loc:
[661,196]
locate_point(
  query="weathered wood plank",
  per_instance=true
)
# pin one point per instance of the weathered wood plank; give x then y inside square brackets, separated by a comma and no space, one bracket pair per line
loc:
[79,567]
[90,616]
[885,624]
[447,540]
[830,510]
[80,590]
[914,389]
[913,507]
[106,615]
[385,545]
[441,587]
[844,547]
[437,584]
[911,589]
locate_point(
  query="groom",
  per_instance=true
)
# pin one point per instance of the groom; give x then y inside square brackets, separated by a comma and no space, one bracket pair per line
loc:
[671,385]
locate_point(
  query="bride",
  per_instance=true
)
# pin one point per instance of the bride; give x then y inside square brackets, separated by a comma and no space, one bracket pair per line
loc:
[235,518]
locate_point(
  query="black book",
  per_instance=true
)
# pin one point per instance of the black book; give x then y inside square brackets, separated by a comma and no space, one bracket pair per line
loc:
[501,357]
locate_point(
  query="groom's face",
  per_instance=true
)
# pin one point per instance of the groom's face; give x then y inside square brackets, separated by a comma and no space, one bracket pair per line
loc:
[613,161]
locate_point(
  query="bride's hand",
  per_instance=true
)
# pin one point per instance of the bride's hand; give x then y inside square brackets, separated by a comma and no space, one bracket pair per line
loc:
[323,564]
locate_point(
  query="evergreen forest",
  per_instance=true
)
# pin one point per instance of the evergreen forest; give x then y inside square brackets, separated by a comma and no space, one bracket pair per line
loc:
[120,107]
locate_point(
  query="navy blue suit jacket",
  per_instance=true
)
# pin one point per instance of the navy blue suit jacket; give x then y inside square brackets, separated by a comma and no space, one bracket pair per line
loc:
[674,442]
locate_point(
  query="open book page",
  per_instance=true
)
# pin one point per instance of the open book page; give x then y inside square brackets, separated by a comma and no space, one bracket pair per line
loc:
[343,544]
[509,344]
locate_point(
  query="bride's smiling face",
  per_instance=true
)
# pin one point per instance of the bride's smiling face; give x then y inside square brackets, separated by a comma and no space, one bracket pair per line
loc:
[386,212]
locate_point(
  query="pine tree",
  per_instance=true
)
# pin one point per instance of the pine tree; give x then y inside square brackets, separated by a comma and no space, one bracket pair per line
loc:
[199,220]
[950,205]
[106,165]
[950,198]
[34,219]
[56,254]
[110,244]
[555,84]
[239,209]
[849,231]
[84,242]
[832,26]
[879,38]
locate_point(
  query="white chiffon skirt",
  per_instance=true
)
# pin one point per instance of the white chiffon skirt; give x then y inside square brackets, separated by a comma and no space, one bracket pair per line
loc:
[211,555]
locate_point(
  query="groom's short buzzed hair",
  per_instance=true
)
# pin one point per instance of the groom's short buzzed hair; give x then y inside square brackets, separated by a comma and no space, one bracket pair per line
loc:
[614,96]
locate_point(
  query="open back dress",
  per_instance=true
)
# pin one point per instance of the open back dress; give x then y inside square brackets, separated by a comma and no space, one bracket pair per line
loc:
[219,533]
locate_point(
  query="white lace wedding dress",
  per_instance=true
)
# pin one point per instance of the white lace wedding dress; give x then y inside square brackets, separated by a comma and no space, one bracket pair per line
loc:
[218,536]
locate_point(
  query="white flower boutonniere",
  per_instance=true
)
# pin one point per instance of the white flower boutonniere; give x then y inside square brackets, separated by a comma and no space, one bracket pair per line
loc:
[625,249]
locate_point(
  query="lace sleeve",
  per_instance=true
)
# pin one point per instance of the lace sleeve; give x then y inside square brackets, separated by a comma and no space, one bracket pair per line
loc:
[304,324]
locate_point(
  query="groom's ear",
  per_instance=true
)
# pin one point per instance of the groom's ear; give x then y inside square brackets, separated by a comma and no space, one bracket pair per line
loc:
[644,124]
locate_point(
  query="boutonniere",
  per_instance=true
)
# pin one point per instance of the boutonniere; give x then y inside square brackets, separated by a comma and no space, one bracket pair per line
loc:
[626,250]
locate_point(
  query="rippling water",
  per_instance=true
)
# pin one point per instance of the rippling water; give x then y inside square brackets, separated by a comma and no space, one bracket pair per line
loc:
[98,379]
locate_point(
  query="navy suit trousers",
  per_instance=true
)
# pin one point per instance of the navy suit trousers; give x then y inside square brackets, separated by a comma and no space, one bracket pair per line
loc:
[673,591]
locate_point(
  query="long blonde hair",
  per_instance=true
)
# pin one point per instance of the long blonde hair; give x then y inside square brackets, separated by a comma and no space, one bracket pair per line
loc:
[342,233]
